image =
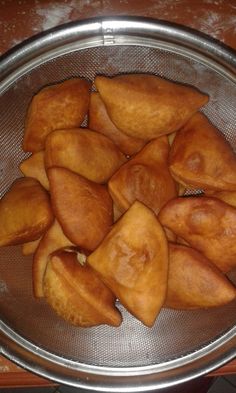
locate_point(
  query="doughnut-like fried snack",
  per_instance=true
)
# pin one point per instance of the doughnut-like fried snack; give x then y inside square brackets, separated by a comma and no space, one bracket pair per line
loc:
[77,294]
[207,224]
[145,178]
[147,106]
[34,167]
[30,247]
[25,212]
[132,260]
[83,208]
[63,105]
[53,240]
[101,122]
[85,152]
[195,282]
[200,157]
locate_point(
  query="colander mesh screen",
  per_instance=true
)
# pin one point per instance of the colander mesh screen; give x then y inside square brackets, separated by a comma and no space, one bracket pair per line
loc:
[176,333]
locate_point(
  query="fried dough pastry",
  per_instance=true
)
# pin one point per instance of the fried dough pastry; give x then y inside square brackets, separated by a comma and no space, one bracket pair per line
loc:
[207,224]
[25,212]
[63,105]
[30,247]
[195,282]
[99,120]
[147,106]
[132,260]
[34,167]
[85,152]
[77,294]
[200,157]
[145,178]
[53,240]
[83,208]
[225,196]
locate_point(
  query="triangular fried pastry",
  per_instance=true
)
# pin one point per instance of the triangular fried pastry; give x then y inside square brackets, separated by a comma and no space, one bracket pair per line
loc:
[207,224]
[132,260]
[99,120]
[53,240]
[225,196]
[195,282]
[25,212]
[200,157]
[85,152]
[83,208]
[147,106]
[34,167]
[76,293]
[145,178]
[63,105]
[30,247]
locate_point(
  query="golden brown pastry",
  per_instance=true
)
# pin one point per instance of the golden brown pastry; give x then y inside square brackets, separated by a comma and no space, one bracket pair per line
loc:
[83,208]
[30,247]
[76,293]
[99,120]
[225,196]
[25,212]
[207,224]
[53,240]
[145,178]
[132,260]
[200,157]
[147,106]
[63,105]
[85,152]
[195,282]
[34,167]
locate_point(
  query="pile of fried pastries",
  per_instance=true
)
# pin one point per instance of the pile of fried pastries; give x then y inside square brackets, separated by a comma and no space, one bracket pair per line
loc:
[103,209]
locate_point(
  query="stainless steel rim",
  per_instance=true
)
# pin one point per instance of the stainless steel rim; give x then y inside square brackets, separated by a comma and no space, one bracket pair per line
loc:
[113,31]
[99,32]
[137,379]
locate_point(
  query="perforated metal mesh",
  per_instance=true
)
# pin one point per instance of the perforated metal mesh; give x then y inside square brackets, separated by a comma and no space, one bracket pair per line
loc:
[175,333]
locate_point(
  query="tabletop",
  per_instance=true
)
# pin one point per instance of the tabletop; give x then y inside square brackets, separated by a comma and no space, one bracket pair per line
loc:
[21,19]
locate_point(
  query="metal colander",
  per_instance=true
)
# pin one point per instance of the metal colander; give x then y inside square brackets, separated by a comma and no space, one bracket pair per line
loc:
[181,345]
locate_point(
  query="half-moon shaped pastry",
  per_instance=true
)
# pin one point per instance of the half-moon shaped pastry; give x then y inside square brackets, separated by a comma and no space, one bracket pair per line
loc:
[25,212]
[83,208]
[132,260]
[76,293]
[34,167]
[147,106]
[63,105]
[145,178]
[200,157]
[85,152]
[207,224]
[53,240]
[99,120]
[195,282]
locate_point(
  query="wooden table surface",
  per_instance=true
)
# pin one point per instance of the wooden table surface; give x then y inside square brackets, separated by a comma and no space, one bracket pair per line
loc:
[20,19]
